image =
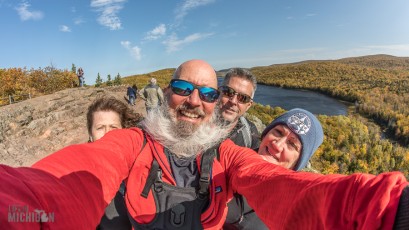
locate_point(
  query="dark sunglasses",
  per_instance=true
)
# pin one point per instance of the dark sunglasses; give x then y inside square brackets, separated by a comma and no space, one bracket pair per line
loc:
[229,92]
[185,88]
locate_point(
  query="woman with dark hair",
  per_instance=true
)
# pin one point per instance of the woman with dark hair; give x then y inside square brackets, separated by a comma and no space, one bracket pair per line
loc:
[108,113]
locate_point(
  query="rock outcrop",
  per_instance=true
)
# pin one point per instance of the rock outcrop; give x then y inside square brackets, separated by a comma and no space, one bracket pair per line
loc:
[32,129]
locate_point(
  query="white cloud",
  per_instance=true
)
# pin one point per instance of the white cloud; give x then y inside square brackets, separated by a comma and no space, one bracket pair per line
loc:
[25,14]
[400,47]
[134,51]
[64,28]
[174,44]
[311,15]
[156,33]
[78,21]
[126,44]
[188,5]
[108,10]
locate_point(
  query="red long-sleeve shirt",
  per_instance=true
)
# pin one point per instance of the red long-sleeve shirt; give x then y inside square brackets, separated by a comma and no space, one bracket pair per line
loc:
[76,183]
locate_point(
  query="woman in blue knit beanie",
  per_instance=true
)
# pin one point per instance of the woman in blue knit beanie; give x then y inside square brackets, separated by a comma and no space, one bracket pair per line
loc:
[291,139]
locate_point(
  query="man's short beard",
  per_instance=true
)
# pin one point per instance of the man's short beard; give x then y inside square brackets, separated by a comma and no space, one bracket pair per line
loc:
[183,138]
[222,119]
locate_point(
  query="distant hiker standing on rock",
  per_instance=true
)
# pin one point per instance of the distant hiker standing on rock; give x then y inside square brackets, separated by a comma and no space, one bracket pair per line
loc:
[152,94]
[80,74]
[131,93]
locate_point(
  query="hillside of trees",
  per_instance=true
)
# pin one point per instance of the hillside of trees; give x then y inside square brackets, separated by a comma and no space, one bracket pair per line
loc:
[380,94]
[18,83]
[41,81]
[379,61]
[141,80]
[351,144]
[387,62]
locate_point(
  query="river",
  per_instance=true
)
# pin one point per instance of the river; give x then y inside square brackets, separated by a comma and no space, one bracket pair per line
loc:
[287,99]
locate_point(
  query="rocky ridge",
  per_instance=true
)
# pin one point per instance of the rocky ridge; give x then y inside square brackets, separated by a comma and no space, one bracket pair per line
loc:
[32,129]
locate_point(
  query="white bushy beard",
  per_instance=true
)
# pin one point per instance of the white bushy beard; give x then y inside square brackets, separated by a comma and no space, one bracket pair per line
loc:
[184,139]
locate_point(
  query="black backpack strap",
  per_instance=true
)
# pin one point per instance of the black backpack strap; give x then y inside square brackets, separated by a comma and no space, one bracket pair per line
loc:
[151,178]
[241,207]
[206,168]
[240,202]
[122,188]
[246,132]
[144,141]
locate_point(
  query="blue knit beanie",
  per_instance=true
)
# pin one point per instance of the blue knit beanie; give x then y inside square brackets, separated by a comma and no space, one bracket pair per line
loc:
[306,126]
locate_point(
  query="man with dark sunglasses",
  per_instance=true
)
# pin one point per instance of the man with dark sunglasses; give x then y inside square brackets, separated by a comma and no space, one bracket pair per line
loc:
[179,176]
[237,92]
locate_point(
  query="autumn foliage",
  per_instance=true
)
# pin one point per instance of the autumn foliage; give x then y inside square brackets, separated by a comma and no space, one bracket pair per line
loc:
[351,144]
[378,85]
[16,81]
[141,80]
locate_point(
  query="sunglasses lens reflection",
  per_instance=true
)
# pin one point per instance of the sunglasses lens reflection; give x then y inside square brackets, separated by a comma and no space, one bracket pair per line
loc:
[185,88]
[208,94]
[182,88]
[229,92]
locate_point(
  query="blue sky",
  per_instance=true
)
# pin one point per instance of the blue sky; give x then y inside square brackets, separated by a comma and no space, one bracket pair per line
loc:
[133,37]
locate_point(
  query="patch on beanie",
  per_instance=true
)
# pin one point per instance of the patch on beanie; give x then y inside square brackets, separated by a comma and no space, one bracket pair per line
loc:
[299,123]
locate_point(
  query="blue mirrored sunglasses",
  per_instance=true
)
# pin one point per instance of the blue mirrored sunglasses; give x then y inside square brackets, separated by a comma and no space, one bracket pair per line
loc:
[185,88]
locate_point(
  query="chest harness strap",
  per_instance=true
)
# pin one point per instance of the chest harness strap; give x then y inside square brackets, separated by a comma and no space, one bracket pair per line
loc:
[178,207]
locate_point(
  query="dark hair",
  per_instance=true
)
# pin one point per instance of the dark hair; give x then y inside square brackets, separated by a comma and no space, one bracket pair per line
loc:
[128,117]
[243,74]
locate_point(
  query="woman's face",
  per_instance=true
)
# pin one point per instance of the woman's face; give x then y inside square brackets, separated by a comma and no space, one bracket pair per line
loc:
[104,121]
[281,146]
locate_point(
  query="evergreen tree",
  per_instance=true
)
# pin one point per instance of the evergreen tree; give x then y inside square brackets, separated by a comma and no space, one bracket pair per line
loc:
[98,81]
[109,81]
[117,80]
[73,68]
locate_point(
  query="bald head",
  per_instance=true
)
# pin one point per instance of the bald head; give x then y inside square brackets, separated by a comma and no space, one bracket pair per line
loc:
[190,109]
[198,72]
